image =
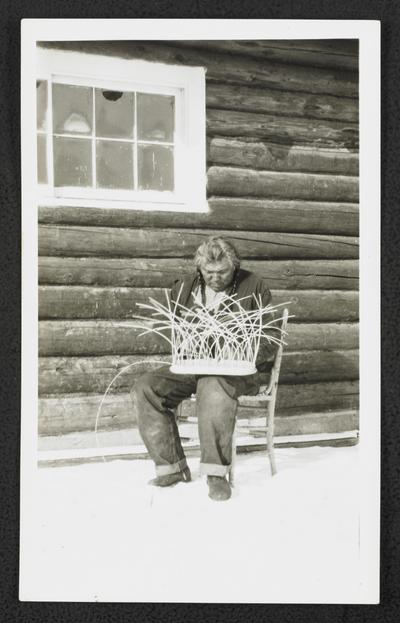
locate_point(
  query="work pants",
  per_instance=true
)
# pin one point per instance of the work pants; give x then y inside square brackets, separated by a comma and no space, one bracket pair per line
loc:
[158,393]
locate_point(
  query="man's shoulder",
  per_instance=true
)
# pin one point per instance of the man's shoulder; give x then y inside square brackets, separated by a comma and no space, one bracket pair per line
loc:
[185,280]
[183,286]
[248,280]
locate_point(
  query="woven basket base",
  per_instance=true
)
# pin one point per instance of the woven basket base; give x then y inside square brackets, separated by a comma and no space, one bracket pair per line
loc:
[215,368]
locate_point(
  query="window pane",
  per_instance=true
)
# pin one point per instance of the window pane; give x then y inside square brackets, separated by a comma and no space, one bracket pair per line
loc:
[114,162]
[114,114]
[155,167]
[155,117]
[41,104]
[72,162]
[72,109]
[41,159]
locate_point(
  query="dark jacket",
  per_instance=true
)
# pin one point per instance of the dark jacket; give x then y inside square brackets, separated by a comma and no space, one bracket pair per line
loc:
[247,284]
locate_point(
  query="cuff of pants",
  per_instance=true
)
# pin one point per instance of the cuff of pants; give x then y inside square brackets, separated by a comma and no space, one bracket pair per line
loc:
[211,469]
[164,470]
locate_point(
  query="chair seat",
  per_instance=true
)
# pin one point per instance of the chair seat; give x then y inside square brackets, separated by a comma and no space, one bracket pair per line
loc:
[258,400]
[254,401]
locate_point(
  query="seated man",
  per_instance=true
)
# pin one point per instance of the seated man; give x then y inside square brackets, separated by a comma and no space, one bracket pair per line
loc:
[158,393]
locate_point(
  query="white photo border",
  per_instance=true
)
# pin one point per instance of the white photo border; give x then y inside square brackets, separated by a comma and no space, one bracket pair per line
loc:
[368,33]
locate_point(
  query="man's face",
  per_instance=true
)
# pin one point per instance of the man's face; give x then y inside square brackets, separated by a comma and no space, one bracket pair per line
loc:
[218,275]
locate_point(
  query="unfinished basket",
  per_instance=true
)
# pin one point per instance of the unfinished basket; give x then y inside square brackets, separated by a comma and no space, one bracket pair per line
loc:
[222,342]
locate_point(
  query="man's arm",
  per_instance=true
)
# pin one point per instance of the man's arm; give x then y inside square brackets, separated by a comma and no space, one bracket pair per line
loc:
[267,349]
[174,291]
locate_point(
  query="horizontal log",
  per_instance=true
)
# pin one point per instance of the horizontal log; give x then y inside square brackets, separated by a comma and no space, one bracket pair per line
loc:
[73,302]
[228,213]
[226,68]
[127,442]
[68,414]
[294,399]
[65,414]
[339,421]
[233,181]
[290,104]
[316,366]
[335,429]
[348,47]
[192,450]
[285,130]
[255,154]
[107,337]
[92,375]
[336,54]
[292,274]
[123,242]
[65,375]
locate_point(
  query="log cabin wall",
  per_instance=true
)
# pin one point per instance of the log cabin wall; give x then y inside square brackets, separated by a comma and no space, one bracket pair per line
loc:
[282,168]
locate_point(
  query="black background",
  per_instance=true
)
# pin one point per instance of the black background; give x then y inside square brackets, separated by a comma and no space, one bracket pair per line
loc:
[11,14]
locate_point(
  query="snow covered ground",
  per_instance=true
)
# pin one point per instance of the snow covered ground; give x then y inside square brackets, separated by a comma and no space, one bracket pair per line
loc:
[101,533]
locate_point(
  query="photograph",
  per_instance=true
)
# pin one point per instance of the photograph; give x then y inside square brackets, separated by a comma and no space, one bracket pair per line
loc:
[200,296]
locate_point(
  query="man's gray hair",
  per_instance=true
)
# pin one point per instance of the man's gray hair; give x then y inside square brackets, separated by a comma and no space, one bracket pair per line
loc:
[214,249]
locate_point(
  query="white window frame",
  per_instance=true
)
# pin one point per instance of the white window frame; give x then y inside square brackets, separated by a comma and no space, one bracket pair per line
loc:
[187,84]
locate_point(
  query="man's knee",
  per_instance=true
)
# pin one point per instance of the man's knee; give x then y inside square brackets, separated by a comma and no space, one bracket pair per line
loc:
[215,388]
[142,385]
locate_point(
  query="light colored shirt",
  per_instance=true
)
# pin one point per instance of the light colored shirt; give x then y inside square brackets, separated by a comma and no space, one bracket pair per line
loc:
[213,299]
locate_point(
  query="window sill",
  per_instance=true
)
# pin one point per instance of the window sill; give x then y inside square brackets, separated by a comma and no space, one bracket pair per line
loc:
[112,204]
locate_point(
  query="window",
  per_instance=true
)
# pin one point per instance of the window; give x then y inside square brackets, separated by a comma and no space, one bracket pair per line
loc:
[132,140]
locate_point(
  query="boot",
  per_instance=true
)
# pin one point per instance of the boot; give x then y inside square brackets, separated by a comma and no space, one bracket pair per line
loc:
[172,479]
[219,488]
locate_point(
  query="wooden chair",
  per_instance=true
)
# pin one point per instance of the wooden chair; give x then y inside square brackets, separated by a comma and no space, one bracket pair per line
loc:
[266,397]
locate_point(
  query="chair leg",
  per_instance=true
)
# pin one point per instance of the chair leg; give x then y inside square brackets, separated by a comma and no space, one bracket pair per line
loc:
[270,436]
[178,412]
[231,474]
